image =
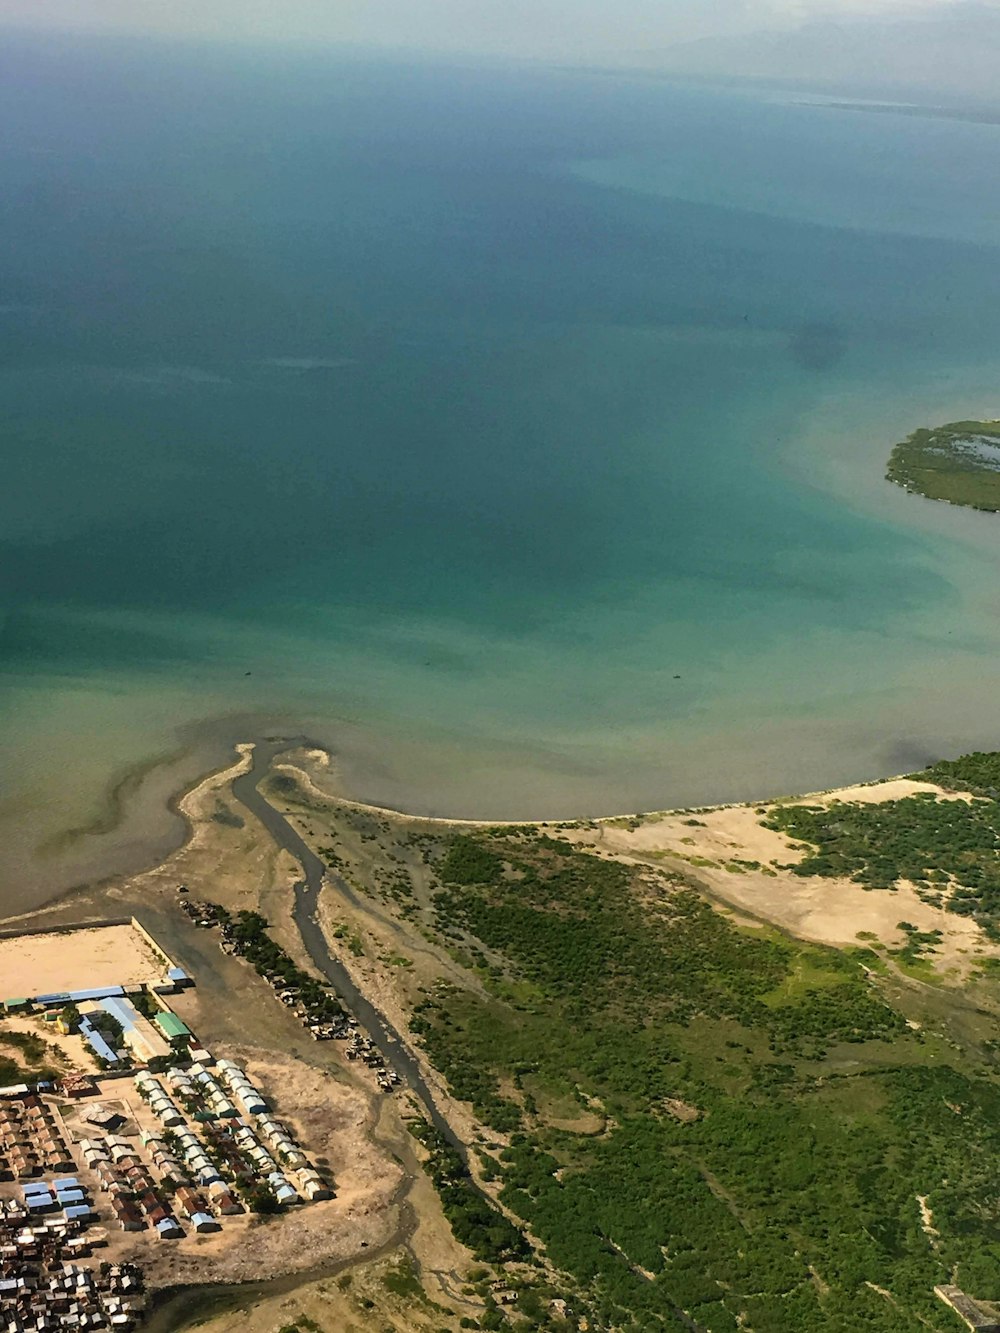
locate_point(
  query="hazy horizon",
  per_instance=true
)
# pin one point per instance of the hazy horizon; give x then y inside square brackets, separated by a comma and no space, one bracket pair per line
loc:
[895,49]
[574,30]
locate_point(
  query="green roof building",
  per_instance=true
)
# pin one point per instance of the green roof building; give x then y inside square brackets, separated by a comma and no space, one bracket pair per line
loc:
[171,1026]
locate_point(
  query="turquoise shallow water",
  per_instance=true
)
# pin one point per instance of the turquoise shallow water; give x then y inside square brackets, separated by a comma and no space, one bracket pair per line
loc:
[488,425]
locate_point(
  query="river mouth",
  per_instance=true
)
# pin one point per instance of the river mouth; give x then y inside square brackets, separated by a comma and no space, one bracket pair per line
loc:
[394,1047]
[175,1309]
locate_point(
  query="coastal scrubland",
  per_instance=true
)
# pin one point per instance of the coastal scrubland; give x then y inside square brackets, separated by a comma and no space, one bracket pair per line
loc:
[945,849]
[689,1113]
[790,1197]
[958,462]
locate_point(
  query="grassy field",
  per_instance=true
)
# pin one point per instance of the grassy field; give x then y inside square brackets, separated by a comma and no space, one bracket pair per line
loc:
[948,463]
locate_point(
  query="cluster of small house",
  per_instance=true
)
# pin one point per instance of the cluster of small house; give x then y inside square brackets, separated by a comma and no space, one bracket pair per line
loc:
[41,1289]
[365,1049]
[30,1141]
[239,1140]
[132,1193]
[64,1193]
[66,1296]
[182,1158]
[135,1199]
[205,915]
[266,1143]
[171,1168]
[25,1238]
[320,1026]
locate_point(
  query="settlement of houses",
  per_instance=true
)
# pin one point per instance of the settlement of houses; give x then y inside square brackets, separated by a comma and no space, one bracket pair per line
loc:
[157,1137]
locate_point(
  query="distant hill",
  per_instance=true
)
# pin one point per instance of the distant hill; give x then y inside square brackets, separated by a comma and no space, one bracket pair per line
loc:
[950,51]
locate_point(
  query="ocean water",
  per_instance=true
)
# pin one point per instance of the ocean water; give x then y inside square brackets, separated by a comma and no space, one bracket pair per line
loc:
[516,432]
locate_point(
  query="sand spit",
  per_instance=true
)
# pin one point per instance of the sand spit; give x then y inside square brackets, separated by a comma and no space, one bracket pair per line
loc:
[715,849]
[189,804]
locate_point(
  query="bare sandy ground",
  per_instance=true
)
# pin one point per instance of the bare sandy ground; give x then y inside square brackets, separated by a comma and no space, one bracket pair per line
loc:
[362,1300]
[706,845]
[75,960]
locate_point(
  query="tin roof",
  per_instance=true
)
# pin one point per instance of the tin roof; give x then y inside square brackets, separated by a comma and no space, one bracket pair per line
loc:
[170,1025]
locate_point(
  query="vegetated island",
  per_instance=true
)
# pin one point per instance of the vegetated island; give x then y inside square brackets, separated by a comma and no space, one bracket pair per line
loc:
[958,462]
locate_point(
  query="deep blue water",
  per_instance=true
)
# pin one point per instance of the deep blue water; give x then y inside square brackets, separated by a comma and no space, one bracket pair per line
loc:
[457,402]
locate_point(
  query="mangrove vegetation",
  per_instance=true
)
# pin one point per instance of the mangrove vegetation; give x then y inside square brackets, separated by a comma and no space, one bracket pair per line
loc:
[958,462]
[706,1125]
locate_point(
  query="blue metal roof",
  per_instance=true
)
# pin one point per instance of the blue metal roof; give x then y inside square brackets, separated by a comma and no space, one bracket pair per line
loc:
[66,1183]
[97,1042]
[177,974]
[120,1008]
[98,993]
[57,997]
[77,1211]
[35,1187]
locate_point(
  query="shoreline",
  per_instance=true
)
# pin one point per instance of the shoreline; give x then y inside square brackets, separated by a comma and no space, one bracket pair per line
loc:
[401,766]
[139,817]
[406,816]
[140,855]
